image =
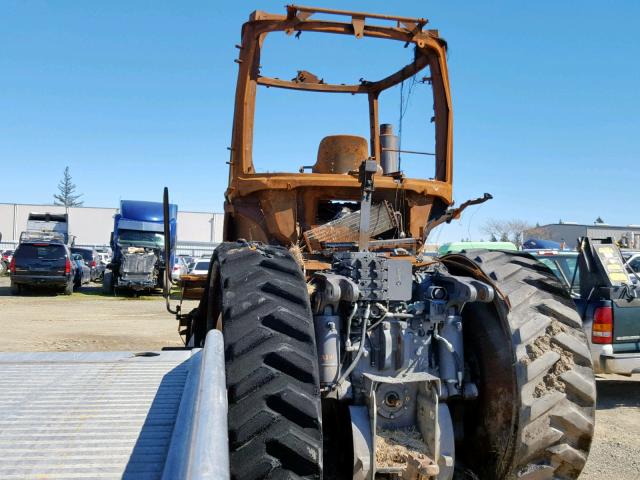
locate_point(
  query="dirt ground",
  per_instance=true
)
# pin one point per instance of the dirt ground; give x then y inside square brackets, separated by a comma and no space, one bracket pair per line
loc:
[89,321]
[615,452]
[84,321]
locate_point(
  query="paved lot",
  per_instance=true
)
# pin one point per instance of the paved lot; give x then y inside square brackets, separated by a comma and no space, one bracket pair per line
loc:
[89,321]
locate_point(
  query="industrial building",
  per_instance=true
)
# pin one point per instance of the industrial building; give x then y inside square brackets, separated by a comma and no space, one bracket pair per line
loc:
[93,225]
[568,233]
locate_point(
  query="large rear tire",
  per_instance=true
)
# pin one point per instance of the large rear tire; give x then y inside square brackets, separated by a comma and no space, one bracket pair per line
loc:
[258,296]
[535,415]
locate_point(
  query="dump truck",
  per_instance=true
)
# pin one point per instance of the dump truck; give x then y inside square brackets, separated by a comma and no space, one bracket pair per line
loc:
[348,352]
[137,242]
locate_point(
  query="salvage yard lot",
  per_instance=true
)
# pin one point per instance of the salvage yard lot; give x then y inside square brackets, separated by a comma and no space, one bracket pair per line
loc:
[84,321]
[89,321]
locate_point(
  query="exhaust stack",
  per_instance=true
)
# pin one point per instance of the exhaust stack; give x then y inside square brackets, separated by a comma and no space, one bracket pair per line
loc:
[390,154]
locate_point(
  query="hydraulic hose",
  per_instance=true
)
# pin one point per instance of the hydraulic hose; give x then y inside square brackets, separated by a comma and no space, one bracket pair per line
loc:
[386,314]
[347,342]
[456,356]
[365,319]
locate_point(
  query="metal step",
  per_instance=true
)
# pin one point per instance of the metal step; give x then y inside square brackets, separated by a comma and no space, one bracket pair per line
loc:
[150,415]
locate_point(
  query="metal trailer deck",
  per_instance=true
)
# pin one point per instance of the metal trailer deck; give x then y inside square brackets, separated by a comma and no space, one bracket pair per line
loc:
[149,415]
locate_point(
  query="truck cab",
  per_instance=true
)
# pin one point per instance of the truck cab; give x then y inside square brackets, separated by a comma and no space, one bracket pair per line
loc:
[137,242]
[606,294]
[609,304]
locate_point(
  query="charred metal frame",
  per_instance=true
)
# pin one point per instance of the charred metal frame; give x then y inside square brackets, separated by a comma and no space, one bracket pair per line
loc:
[275,206]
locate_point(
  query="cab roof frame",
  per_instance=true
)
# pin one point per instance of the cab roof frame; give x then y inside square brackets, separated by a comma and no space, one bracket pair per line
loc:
[430,50]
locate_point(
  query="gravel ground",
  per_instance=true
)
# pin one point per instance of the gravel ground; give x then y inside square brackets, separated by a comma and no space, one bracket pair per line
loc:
[89,321]
[615,452]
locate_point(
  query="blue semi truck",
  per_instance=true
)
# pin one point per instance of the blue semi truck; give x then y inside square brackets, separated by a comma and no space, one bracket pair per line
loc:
[137,241]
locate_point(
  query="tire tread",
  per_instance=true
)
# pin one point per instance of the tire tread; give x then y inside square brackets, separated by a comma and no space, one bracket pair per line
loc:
[554,370]
[275,425]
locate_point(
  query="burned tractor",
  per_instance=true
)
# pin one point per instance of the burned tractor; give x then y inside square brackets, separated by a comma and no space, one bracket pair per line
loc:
[349,352]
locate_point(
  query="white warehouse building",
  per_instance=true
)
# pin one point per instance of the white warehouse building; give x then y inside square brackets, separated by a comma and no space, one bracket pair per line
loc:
[93,225]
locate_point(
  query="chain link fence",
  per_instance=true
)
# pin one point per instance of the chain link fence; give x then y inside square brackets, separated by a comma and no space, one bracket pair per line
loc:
[191,249]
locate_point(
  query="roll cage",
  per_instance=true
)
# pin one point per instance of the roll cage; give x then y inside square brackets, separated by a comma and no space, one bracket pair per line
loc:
[259,188]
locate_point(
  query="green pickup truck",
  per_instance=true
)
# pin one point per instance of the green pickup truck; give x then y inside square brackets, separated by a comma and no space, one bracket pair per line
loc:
[606,291]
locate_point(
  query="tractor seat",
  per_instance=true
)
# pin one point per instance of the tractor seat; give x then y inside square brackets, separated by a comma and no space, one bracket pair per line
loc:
[341,154]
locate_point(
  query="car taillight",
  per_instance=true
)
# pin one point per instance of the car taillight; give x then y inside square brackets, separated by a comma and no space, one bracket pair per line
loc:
[12,265]
[67,266]
[602,329]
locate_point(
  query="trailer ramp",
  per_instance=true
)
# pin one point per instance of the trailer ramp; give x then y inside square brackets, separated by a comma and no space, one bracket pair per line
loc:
[144,415]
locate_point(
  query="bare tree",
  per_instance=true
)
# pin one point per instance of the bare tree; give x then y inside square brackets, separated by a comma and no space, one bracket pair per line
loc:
[506,230]
[499,230]
[495,229]
[516,228]
[67,196]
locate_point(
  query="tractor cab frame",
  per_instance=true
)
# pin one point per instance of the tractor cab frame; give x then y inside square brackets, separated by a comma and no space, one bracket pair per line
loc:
[280,207]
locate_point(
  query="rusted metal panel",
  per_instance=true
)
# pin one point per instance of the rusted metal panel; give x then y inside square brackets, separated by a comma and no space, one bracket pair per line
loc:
[345,229]
[192,286]
[280,215]
[246,185]
[341,154]
[293,11]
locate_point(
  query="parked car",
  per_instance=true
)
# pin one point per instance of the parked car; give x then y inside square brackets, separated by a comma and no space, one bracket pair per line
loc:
[632,261]
[606,296]
[180,268]
[104,257]
[455,247]
[92,259]
[5,260]
[187,259]
[7,255]
[563,265]
[201,267]
[40,264]
[83,271]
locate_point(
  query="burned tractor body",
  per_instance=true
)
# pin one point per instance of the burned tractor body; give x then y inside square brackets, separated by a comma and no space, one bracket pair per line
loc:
[351,354]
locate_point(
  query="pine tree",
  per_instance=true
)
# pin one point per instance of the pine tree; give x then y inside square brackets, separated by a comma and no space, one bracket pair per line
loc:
[67,188]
